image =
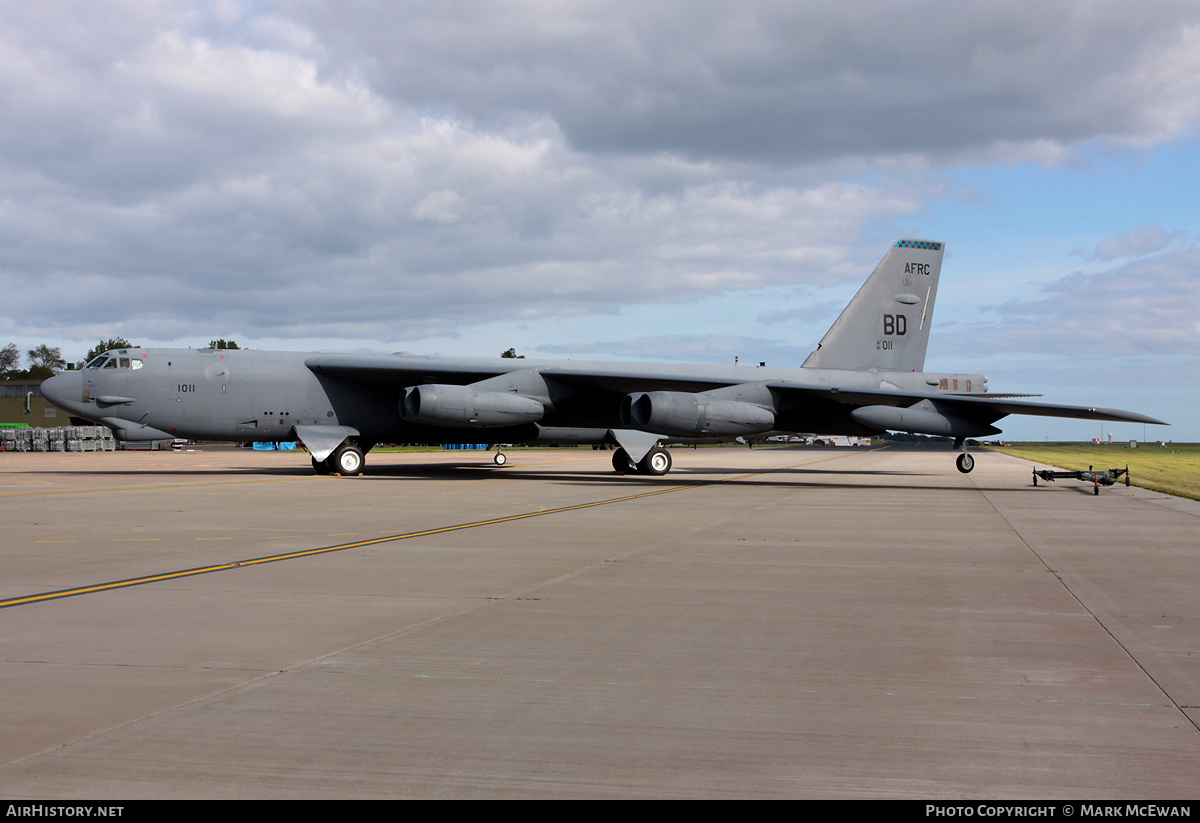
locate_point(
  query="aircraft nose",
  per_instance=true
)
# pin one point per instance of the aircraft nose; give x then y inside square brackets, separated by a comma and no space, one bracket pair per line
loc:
[64,390]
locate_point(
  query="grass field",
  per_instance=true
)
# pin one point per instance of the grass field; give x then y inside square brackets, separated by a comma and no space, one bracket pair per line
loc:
[1173,469]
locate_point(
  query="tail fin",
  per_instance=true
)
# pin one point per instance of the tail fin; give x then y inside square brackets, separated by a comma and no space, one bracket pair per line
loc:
[886,325]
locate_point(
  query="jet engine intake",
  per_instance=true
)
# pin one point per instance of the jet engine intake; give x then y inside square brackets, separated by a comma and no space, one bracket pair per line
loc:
[691,415]
[465,407]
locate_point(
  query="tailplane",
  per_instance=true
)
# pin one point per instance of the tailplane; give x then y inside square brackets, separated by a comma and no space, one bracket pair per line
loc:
[886,325]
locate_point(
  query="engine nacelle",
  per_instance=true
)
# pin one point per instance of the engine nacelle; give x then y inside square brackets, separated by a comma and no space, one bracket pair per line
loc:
[922,418]
[693,415]
[465,407]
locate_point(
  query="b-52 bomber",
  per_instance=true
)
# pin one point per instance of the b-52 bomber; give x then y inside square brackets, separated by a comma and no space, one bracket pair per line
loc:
[865,377]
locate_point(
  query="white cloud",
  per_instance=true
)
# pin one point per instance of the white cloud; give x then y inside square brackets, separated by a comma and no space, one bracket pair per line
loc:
[793,83]
[179,171]
[1146,240]
[1142,308]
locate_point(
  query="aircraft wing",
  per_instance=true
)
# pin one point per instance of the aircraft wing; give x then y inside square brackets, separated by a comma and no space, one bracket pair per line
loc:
[977,408]
[634,379]
[403,370]
[400,371]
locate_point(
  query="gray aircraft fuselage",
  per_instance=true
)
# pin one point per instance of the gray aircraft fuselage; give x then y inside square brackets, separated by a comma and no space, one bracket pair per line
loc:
[247,395]
[865,377]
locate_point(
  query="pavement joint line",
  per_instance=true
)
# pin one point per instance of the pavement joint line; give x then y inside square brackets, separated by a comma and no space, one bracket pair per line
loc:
[155,488]
[275,558]
[1079,600]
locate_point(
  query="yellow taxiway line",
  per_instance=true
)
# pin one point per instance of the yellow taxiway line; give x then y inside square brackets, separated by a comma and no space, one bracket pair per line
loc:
[275,558]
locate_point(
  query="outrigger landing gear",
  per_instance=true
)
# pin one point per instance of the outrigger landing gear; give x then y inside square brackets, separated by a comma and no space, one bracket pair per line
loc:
[965,461]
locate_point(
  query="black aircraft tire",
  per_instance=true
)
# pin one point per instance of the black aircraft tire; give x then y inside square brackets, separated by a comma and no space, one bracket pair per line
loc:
[500,459]
[965,463]
[656,463]
[348,460]
[321,466]
[621,462]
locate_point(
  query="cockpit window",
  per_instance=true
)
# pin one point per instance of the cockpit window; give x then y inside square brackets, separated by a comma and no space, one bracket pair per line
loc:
[106,361]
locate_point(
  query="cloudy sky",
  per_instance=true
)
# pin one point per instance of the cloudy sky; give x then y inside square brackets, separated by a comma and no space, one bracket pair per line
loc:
[686,181]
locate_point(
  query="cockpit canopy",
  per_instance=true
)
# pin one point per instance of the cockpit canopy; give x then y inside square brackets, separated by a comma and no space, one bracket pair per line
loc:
[115,359]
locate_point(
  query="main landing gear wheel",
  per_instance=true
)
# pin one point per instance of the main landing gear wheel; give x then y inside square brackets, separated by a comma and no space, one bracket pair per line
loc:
[621,462]
[657,462]
[321,466]
[500,459]
[965,463]
[348,460]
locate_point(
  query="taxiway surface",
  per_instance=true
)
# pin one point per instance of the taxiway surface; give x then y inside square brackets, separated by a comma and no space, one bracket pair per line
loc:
[758,623]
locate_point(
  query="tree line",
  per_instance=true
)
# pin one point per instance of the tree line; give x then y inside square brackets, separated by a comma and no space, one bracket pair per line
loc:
[44,361]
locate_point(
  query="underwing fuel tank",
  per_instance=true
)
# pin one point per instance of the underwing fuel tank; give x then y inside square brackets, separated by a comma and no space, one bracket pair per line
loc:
[682,414]
[464,407]
[921,418]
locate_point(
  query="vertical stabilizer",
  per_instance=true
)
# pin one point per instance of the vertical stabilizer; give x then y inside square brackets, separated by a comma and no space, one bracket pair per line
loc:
[886,325]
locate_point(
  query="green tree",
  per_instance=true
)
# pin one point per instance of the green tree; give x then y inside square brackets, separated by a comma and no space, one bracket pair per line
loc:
[108,345]
[511,354]
[10,358]
[222,344]
[46,359]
